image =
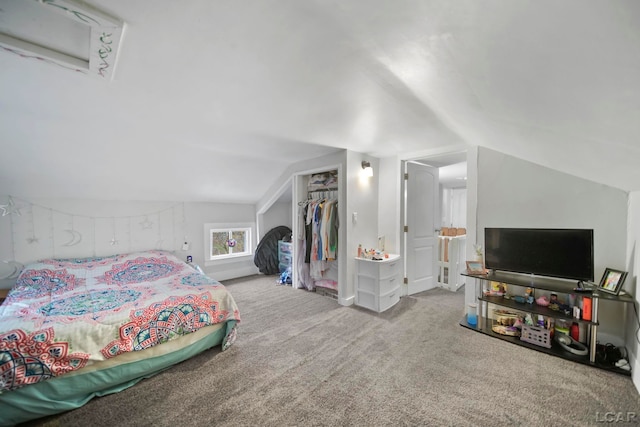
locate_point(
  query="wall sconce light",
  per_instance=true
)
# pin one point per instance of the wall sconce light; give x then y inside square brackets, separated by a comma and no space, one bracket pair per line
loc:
[367,170]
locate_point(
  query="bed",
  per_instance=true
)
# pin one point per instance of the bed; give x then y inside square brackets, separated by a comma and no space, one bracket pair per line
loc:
[73,329]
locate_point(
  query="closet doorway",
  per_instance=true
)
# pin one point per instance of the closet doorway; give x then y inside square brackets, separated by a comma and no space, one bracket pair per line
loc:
[434,213]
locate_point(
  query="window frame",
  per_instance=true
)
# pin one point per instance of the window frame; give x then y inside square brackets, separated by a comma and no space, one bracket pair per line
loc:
[209,228]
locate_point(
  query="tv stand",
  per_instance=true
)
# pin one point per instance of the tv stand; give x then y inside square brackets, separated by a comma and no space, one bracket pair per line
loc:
[581,288]
[538,285]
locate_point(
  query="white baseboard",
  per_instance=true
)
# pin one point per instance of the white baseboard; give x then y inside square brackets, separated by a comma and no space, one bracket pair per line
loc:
[634,362]
[233,273]
[347,301]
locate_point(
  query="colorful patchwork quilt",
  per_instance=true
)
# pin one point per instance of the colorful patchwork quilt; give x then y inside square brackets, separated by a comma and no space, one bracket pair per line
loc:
[63,315]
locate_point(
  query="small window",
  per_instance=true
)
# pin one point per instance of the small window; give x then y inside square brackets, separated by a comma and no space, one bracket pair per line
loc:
[229,242]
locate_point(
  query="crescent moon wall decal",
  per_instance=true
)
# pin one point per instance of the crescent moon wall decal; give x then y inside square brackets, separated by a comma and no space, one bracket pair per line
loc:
[10,269]
[76,238]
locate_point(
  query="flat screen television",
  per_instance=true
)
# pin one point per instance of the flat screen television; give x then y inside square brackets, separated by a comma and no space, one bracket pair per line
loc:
[562,253]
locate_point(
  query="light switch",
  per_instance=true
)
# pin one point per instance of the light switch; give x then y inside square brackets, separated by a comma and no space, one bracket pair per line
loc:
[354,217]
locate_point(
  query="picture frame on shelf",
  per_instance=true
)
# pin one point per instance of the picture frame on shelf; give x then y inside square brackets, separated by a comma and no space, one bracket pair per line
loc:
[612,281]
[475,267]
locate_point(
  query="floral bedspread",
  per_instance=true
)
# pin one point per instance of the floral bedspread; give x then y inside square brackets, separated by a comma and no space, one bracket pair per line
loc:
[63,315]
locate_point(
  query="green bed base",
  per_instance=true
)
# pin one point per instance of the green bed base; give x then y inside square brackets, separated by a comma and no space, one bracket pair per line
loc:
[61,394]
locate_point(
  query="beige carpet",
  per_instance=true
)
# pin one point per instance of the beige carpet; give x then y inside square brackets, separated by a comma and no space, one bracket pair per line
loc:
[303,360]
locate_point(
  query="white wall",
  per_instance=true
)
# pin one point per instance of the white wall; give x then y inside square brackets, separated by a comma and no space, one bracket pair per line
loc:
[516,193]
[278,214]
[389,183]
[472,218]
[315,164]
[631,285]
[135,226]
[362,200]
[453,207]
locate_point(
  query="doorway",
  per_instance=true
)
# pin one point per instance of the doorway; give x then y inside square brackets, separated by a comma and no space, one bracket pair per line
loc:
[434,212]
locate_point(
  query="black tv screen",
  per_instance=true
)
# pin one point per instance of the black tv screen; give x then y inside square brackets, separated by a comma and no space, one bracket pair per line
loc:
[562,253]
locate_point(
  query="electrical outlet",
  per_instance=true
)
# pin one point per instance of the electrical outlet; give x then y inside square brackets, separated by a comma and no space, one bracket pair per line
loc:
[185,246]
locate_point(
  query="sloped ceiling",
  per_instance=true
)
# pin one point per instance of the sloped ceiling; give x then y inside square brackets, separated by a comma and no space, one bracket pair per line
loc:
[212,99]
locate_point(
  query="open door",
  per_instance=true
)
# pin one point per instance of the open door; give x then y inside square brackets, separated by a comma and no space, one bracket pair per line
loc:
[421,235]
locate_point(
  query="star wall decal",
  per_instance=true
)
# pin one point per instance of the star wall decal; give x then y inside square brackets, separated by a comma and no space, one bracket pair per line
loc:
[146,224]
[10,208]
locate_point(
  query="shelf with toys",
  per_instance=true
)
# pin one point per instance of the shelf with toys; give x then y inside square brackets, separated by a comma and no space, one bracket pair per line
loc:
[545,314]
[533,308]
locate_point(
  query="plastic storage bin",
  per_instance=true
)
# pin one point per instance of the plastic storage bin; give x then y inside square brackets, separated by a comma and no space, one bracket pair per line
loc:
[284,247]
[285,256]
[536,335]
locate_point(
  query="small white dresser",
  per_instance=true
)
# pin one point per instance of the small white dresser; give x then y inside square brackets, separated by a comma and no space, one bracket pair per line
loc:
[378,282]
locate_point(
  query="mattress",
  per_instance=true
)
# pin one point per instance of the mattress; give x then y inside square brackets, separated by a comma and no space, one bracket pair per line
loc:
[76,328]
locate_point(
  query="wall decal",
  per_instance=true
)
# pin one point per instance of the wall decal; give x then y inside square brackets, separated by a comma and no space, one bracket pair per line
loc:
[76,13]
[76,238]
[113,241]
[146,224]
[104,52]
[23,54]
[42,232]
[32,238]
[10,208]
[104,36]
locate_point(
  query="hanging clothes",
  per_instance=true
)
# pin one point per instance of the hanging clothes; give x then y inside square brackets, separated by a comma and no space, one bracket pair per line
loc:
[330,230]
[319,218]
[317,231]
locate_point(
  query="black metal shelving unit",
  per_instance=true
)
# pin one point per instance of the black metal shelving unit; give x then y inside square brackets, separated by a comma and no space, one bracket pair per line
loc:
[547,284]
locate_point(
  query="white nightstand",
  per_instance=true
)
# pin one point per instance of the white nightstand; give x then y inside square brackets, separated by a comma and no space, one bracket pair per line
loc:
[378,282]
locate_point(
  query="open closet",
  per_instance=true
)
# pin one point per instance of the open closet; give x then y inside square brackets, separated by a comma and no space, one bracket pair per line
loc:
[315,234]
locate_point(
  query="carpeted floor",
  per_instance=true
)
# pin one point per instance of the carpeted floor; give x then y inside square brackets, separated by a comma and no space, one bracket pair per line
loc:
[303,360]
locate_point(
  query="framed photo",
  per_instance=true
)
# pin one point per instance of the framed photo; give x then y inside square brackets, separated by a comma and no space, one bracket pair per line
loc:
[612,281]
[475,267]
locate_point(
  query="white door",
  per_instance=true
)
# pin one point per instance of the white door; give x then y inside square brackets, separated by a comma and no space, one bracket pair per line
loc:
[421,207]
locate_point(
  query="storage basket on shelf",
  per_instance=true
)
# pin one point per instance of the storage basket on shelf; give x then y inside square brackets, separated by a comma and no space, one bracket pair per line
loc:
[536,335]
[504,322]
